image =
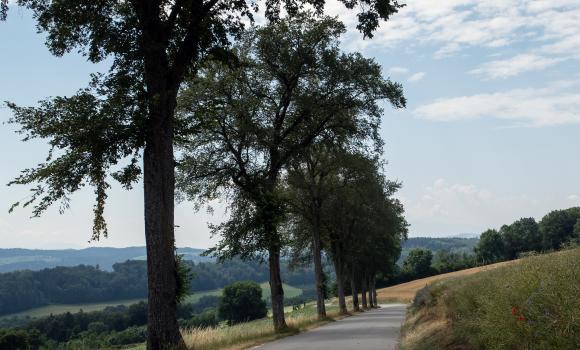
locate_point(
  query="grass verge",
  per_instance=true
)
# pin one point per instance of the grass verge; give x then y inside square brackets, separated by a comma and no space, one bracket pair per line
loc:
[531,304]
[244,335]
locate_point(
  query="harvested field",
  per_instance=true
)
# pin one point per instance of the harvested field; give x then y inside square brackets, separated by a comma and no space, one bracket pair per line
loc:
[405,292]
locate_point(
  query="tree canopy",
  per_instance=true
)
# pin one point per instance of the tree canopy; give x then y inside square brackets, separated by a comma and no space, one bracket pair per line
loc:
[289,87]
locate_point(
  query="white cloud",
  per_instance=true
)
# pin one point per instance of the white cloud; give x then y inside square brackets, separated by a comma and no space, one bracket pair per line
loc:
[398,70]
[550,27]
[573,198]
[551,105]
[449,208]
[417,76]
[515,65]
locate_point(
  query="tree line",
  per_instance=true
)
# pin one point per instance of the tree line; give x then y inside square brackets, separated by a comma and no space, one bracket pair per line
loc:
[554,230]
[242,105]
[23,290]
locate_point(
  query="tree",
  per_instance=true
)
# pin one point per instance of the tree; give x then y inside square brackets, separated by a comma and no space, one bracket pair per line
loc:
[363,225]
[418,262]
[290,86]
[557,227]
[490,248]
[521,236]
[242,302]
[130,110]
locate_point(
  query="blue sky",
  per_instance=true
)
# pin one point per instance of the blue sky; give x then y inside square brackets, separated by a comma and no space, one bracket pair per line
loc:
[491,132]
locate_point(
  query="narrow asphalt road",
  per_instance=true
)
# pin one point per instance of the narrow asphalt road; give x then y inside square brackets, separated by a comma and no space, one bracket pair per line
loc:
[372,330]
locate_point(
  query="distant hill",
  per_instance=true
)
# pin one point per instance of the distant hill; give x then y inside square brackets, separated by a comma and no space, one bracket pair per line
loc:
[452,244]
[33,259]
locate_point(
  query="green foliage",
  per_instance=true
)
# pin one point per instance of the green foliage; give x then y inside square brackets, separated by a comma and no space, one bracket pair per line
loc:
[23,290]
[418,262]
[521,236]
[207,318]
[184,277]
[290,86]
[490,248]
[435,244]
[445,261]
[558,227]
[242,302]
[16,339]
[131,335]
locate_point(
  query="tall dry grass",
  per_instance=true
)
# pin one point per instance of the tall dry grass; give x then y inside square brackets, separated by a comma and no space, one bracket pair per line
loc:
[531,304]
[255,332]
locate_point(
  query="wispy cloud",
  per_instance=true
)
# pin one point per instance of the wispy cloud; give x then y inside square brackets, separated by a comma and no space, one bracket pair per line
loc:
[445,207]
[551,29]
[515,65]
[551,105]
[398,70]
[416,77]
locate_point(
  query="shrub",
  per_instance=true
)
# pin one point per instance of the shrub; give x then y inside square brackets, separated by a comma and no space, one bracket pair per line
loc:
[207,318]
[131,335]
[241,302]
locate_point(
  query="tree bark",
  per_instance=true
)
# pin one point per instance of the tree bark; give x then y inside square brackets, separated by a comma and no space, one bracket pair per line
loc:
[340,285]
[354,290]
[369,290]
[364,292]
[319,275]
[375,295]
[276,290]
[159,187]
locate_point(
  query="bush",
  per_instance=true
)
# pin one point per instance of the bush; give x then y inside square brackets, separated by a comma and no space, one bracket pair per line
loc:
[241,302]
[131,335]
[207,318]
[14,339]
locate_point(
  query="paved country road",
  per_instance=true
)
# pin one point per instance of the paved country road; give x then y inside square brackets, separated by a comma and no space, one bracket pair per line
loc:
[372,330]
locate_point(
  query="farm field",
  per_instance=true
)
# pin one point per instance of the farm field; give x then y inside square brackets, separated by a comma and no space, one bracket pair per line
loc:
[405,292]
[63,308]
[289,291]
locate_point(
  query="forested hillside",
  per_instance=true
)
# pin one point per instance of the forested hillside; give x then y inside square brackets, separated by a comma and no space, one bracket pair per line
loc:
[436,244]
[21,290]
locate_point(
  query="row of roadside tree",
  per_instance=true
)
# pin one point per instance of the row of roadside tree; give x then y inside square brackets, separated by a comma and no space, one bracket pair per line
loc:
[276,121]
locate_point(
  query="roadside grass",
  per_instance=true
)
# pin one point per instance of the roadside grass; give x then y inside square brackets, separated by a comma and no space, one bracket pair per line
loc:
[247,334]
[531,304]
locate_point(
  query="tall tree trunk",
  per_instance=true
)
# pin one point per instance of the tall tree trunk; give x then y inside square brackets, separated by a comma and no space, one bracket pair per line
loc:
[319,274]
[340,285]
[375,295]
[370,291]
[354,291]
[159,187]
[276,290]
[364,292]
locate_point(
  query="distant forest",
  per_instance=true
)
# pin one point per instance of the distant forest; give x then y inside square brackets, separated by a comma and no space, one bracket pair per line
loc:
[22,290]
[444,244]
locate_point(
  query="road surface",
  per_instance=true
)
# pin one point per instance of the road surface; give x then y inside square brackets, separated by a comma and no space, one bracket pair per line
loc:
[372,330]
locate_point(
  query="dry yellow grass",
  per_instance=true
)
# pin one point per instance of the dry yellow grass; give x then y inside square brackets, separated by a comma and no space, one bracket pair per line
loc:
[245,335]
[405,292]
